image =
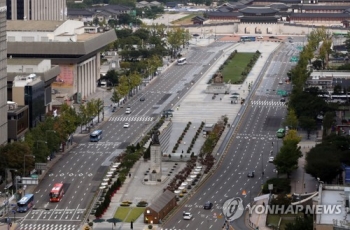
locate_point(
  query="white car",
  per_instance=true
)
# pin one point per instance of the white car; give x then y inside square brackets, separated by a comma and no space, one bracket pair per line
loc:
[271,159]
[187,216]
[128,110]
[260,37]
[126,125]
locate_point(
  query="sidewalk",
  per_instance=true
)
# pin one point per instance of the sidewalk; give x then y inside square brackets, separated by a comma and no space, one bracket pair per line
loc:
[257,220]
[300,181]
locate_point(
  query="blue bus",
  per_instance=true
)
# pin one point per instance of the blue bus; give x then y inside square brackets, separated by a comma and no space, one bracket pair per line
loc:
[248,38]
[25,203]
[96,135]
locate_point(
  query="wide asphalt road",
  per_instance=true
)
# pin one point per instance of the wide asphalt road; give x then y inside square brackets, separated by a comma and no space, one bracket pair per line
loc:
[83,168]
[252,143]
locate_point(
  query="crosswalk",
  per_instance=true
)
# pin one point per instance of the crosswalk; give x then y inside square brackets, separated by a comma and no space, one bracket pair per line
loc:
[256,136]
[48,227]
[269,103]
[131,118]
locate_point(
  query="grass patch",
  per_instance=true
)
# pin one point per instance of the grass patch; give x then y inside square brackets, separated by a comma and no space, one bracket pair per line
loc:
[234,68]
[273,219]
[121,213]
[128,214]
[284,223]
[187,19]
[134,214]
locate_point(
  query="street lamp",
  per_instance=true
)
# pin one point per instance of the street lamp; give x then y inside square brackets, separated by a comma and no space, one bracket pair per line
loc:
[24,163]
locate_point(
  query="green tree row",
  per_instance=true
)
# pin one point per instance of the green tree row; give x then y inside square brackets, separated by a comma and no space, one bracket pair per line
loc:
[47,137]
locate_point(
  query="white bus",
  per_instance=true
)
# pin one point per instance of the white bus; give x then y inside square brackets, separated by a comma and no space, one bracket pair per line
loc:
[181,61]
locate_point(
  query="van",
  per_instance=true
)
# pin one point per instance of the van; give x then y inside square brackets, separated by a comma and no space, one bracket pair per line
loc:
[128,110]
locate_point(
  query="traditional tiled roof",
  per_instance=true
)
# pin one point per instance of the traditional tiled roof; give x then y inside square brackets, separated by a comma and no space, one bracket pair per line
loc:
[155,3]
[198,18]
[223,14]
[171,4]
[320,7]
[258,10]
[319,15]
[245,2]
[279,6]
[226,9]
[259,18]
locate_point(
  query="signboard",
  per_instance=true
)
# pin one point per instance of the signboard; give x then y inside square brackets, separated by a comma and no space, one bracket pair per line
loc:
[29,181]
[40,166]
[34,176]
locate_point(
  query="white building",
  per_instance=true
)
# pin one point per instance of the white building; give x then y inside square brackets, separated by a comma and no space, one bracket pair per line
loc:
[68,45]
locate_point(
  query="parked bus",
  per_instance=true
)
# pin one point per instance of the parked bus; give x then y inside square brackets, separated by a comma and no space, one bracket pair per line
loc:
[248,38]
[280,133]
[340,33]
[25,203]
[181,61]
[57,192]
[96,135]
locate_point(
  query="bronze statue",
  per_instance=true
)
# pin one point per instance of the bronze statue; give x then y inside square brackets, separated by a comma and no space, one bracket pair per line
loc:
[218,78]
[155,137]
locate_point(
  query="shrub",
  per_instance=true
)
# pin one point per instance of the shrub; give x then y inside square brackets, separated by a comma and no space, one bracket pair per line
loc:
[150,226]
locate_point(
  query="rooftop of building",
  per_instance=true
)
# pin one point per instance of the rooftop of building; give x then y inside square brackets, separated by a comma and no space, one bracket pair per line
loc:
[24,61]
[86,43]
[336,74]
[21,25]
[333,196]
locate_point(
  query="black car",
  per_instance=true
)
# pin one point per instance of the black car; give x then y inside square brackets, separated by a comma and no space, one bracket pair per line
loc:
[272,37]
[142,98]
[251,174]
[208,205]
[283,99]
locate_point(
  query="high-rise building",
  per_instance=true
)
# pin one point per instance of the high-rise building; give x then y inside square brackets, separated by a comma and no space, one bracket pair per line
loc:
[40,10]
[3,73]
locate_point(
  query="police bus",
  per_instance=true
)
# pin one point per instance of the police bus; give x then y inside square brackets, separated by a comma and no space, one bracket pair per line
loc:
[96,135]
[181,61]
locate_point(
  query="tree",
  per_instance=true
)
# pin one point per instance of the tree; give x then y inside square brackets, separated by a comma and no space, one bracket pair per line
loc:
[135,80]
[124,86]
[83,116]
[347,42]
[100,108]
[112,77]
[175,39]
[115,96]
[13,157]
[299,223]
[292,137]
[291,119]
[308,124]
[323,161]
[327,122]
[286,160]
